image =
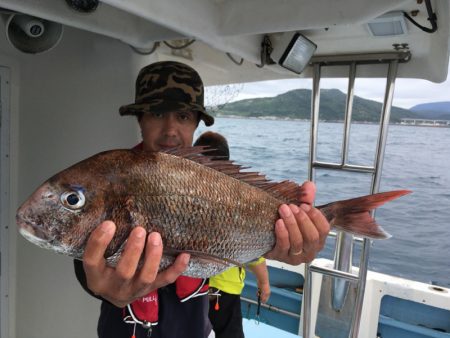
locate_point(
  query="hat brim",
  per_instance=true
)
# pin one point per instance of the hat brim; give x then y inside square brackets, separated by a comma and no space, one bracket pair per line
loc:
[165,106]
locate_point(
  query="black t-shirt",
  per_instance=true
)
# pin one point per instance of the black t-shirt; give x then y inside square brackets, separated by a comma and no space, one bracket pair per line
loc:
[175,319]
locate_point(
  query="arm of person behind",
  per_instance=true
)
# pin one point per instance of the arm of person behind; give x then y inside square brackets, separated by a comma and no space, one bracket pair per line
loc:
[301,231]
[259,268]
[126,282]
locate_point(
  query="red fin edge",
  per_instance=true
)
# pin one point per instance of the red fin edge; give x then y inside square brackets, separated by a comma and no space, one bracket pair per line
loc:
[353,215]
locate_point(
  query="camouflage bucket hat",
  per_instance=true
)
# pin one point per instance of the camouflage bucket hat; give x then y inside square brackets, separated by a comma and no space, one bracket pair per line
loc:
[168,86]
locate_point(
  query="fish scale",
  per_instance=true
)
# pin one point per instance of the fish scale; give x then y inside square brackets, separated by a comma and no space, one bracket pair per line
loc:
[180,209]
[220,219]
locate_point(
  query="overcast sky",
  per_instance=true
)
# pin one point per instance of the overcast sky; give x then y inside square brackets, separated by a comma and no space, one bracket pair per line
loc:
[408,92]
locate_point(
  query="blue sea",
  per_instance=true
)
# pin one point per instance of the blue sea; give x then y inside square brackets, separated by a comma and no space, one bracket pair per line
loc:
[416,158]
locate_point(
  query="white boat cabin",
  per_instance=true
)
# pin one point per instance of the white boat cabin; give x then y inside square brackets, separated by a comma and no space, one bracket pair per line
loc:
[67,65]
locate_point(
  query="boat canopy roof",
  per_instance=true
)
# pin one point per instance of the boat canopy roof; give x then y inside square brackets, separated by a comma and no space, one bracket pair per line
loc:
[227,32]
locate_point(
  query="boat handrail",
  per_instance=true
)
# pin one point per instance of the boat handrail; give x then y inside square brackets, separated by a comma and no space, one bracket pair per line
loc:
[344,242]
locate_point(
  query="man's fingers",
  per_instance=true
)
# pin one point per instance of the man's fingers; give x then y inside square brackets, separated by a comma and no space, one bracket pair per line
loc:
[308,192]
[314,229]
[172,272]
[93,258]
[127,282]
[290,217]
[153,254]
[301,232]
[282,241]
[129,260]
[309,232]
[321,223]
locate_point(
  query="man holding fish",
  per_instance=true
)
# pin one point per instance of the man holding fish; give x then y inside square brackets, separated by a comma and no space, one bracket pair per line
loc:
[152,223]
[169,106]
[136,220]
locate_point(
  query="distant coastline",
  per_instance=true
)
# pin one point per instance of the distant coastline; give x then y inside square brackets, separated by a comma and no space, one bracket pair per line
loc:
[296,105]
[276,118]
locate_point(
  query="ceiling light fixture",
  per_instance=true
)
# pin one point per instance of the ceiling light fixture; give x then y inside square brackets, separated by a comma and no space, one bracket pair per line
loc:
[298,53]
[389,24]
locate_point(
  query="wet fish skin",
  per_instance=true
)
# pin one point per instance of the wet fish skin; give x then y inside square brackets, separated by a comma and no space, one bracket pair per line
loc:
[193,207]
[217,218]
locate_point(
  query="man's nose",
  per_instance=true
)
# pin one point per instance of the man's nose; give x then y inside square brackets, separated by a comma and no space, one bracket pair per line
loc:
[170,124]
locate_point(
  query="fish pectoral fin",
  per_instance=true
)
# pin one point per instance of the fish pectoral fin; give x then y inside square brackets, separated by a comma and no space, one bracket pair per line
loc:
[205,256]
[136,218]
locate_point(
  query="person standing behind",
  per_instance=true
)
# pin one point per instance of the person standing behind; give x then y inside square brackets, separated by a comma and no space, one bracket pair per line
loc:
[225,304]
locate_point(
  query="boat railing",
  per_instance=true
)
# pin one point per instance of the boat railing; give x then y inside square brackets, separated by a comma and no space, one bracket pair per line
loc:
[341,306]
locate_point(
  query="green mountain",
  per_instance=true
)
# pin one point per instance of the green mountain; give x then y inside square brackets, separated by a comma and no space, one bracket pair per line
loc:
[297,104]
[433,110]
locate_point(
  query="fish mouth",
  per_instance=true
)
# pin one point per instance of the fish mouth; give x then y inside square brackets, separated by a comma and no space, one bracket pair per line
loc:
[30,229]
[42,241]
[33,234]
[34,239]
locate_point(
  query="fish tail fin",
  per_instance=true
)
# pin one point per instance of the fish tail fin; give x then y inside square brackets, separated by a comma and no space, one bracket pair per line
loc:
[353,215]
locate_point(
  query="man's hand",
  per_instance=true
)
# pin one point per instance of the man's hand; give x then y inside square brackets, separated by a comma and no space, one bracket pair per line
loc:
[301,232]
[125,283]
[264,290]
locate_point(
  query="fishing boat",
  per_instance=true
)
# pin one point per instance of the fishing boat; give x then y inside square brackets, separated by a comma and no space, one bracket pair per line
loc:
[67,65]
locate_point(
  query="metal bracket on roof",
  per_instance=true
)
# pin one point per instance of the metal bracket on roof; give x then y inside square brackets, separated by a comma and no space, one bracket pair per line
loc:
[367,58]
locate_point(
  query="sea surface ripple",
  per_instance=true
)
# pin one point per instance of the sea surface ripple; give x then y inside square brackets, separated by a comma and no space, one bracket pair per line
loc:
[416,158]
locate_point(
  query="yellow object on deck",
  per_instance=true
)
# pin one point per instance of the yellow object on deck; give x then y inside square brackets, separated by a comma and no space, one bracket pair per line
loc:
[232,280]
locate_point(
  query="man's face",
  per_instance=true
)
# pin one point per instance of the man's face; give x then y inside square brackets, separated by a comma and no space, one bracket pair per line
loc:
[166,130]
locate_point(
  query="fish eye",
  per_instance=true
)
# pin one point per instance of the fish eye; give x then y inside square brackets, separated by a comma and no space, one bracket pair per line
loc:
[73,200]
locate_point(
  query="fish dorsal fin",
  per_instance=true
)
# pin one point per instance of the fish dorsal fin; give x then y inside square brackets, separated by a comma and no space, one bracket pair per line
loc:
[287,191]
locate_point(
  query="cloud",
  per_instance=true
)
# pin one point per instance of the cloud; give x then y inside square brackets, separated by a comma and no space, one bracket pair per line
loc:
[408,92]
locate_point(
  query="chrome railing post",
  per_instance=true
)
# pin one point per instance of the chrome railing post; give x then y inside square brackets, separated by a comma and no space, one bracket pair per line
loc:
[344,245]
[381,145]
[344,242]
[315,101]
